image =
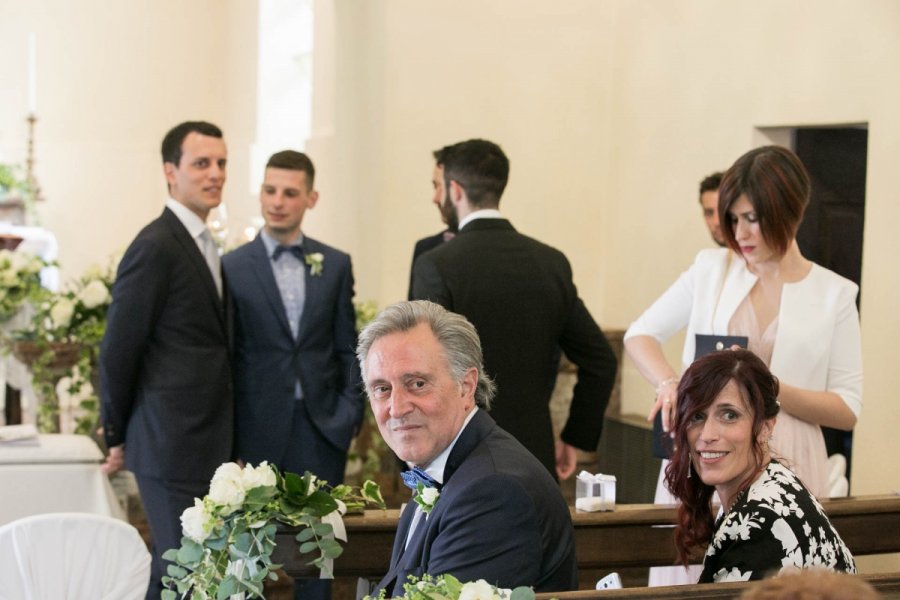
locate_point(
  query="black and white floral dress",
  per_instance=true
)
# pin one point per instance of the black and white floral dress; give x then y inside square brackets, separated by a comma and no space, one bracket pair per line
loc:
[775,523]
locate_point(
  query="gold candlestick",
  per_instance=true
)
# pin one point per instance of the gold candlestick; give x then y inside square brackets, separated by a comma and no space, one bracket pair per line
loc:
[33,186]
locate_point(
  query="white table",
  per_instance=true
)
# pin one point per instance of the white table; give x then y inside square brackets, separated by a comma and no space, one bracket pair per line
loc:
[59,473]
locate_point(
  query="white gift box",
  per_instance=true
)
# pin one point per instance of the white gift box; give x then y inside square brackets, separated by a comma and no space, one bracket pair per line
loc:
[595,492]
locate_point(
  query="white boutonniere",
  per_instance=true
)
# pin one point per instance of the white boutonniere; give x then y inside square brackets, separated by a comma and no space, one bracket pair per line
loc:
[315,261]
[426,497]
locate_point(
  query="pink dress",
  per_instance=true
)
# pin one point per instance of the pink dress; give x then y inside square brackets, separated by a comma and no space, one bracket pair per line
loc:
[794,441]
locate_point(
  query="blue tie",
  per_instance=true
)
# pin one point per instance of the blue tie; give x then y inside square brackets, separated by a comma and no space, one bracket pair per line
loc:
[415,476]
[295,250]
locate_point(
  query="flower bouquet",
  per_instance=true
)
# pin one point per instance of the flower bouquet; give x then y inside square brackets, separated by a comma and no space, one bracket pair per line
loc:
[65,332]
[229,535]
[20,282]
[448,587]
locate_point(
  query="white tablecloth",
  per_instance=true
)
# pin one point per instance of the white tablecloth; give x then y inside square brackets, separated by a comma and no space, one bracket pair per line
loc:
[61,473]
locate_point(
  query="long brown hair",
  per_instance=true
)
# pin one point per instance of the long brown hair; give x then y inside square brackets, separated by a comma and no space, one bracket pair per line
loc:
[700,386]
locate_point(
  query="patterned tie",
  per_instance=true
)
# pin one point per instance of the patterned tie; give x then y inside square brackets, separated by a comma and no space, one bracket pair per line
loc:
[211,254]
[295,250]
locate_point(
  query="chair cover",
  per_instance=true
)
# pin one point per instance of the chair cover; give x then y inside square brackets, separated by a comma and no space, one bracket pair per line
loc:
[838,486]
[72,556]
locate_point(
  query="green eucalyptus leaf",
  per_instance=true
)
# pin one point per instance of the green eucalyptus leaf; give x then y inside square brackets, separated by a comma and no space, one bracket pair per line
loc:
[168,595]
[522,593]
[176,572]
[323,529]
[306,534]
[189,553]
[330,548]
[171,554]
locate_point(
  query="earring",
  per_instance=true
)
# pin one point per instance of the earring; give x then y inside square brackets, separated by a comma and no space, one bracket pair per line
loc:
[690,468]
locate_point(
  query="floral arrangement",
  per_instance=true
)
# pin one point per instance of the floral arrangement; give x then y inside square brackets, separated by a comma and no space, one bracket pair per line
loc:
[448,587]
[229,535]
[72,322]
[20,282]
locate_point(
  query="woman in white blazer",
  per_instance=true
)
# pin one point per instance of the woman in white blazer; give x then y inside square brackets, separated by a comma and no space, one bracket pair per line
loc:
[800,318]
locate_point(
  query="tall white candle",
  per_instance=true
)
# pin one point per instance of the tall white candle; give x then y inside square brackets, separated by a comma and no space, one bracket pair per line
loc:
[32,73]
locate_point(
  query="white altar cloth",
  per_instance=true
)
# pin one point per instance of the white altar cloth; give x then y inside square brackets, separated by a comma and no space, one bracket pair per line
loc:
[60,473]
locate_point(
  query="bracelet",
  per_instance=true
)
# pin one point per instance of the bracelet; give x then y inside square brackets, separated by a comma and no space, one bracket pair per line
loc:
[664,383]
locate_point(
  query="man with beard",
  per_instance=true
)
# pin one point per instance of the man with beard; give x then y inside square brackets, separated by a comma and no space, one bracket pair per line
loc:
[520,296]
[448,215]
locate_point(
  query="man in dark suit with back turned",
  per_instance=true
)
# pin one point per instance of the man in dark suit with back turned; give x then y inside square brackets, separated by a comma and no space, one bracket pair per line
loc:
[520,296]
[165,379]
[297,385]
[493,512]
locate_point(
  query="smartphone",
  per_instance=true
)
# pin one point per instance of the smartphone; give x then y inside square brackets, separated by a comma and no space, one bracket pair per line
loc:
[610,582]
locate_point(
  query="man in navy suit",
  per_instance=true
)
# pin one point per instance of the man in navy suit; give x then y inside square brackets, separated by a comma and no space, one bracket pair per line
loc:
[498,515]
[297,385]
[520,296]
[165,378]
[448,216]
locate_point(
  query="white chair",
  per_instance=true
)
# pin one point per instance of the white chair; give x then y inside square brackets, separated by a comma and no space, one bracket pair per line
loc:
[838,486]
[72,556]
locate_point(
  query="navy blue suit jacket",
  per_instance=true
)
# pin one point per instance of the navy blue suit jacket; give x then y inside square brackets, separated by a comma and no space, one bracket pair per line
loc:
[268,360]
[165,378]
[500,517]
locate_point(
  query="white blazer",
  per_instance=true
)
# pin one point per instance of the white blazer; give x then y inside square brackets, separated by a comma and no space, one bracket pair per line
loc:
[817,344]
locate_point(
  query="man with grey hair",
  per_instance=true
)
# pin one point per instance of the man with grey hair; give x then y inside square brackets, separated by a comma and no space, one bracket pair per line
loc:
[484,507]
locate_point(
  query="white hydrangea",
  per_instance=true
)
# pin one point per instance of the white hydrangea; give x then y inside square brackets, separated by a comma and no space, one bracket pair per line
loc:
[61,313]
[197,522]
[94,294]
[261,476]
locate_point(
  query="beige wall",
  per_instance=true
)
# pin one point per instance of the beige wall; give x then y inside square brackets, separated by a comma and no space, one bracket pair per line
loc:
[611,111]
[112,78]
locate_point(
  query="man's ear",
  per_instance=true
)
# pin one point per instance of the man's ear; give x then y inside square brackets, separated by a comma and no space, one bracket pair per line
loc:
[457,193]
[169,169]
[469,384]
[313,198]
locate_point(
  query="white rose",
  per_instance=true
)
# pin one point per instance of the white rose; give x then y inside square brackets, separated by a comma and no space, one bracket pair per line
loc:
[261,476]
[61,313]
[226,488]
[477,590]
[430,495]
[196,522]
[18,261]
[94,294]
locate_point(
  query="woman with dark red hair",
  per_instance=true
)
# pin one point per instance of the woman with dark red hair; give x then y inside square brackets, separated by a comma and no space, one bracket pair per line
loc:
[768,521]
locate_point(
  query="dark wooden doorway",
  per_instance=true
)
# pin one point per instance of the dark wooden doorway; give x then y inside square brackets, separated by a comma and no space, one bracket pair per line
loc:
[832,230]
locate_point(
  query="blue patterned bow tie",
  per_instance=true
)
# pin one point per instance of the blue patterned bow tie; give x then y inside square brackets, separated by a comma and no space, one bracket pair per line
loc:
[415,476]
[295,250]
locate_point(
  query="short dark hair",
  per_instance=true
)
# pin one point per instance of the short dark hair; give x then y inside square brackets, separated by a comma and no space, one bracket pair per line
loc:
[776,184]
[294,161]
[700,385]
[171,144]
[711,182]
[480,167]
[455,334]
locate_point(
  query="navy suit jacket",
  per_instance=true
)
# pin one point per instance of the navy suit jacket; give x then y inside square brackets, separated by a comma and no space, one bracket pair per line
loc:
[165,377]
[499,517]
[520,296]
[268,360]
